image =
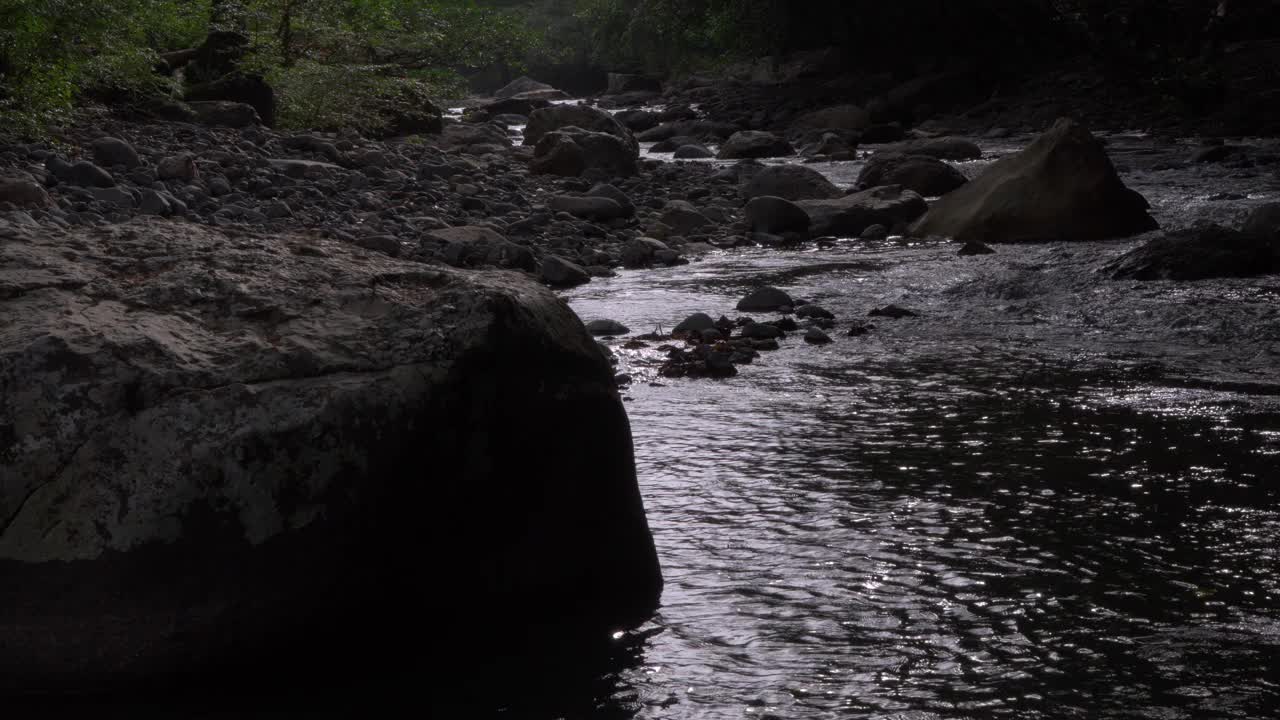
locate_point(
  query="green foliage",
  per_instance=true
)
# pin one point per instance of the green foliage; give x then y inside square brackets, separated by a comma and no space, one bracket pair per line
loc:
[371,97]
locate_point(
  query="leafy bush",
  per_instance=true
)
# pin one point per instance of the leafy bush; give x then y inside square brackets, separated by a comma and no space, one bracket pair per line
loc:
[372,97]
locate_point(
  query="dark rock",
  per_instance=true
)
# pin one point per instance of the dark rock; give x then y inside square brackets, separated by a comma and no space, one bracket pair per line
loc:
[893,311]
[1198,253]
[1216,154]
[520,86]
[766,299]
[114,196]
[1264,221]
[86,174]
[558,272]
[572,151]
[693,152]
[474,245]
[815,336]
[944,148]
[557,117]
[875,232]
[697,129]
[790,182]
[226,114]
[236,88]
[638,120]
[386,244]
[230,508]
[884,133]
[642,252]
[851,215]
[696,323]
[592,208]
[606,190]
[1062,187]
[761,331]
[112,151]
[683,218]
[976,247]
[860,328]
[622,83]
[814,311]
[671,145]
[601,328]
[775,215]
[840,117]
[303,168]
[754,144]
[153,203]
[923,174]
[23,192]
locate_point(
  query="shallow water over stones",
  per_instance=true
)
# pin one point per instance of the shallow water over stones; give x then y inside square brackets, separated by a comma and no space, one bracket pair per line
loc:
[1051,495]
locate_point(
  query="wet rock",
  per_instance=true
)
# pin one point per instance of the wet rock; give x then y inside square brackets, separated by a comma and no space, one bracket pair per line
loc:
[766,299]
[549,119]
[113,196]
[923,174]
[851,215]
[815,336]
[153,203]
[893,311]
[1216,154]
[693,152]
[675,143]
[304,168]
[592,208]
[944,148]
[860,328]
[643,251]
[572,151]
[830,145]
[602,328]
[875,232]
[683,218]
[761,331]
[558,272]
[638,120]
[521,85]
[883,133]
[226,114]
[112,151]
[1061,187]
[86,174]
[814,311]
[23,192]
[975,247]
[769,214]
[1198,253]
[470,245]
[696,323]
[699,130]
[292,469]
[754,144]
[790,182]
[606,190]
[1264,221]
[388,245]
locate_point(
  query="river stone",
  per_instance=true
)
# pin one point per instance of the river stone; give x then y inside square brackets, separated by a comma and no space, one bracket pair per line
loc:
[178,167]
[840,117]
[766,299]
[775,215]
[470,245]
[304,168]
[23,192]
[761,331]
[696,323]
[944,148]
[601,328]
[605,190]
[1264,220]
[674,144]
[754,144]
[683,218]
[815,336]
[638,120]
[851,215]
[1061,187]
[1199,253]
[520,85]
[114,196]
[592,208]
[572,151]
[790,182]
[153,203]
[893,312]
[693,152]
[923,174]
[556,117]
[226,114]
[642,251]
[86,174]
[558,272]
[814,311]
[250,462]
[110,151]
[975,247]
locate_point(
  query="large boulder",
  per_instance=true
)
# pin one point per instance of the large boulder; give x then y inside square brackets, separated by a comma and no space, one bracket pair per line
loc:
[683,218]
[705,130]
[23,192]
[252,463]
[110,151]
[1061,187]
[754,144]
[1198,253]
[572,151]
[556,117]
[226,114]
[236,87]
[591,208]
[943,148]
[850,215]
[775,215]
[521,85]
[926,175]
[561,273]
[792,182]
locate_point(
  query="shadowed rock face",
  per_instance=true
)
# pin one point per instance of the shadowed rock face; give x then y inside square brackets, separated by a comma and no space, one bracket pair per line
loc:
[1061,187]
[221,454]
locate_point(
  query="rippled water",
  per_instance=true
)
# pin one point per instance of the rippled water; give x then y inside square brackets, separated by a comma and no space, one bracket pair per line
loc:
[1051,495]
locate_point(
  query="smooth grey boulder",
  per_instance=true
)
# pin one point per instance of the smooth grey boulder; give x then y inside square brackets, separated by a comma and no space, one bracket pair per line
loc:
[923,174]
[791,182]
[683,218]
[943,148]
[519,86]
[556,117]
[693,152]
[592,208]
[113,151]
[696,323]
[23,192]
[474,245]
[1199,253]
[775,215]
[766,299]
[267,454]
[558,272]
[602,328]
[572,151]
[754,144]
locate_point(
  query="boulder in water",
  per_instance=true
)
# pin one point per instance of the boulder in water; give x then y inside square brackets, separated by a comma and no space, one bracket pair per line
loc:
[791,182]
[1061,187]
[571,151]
[754,144]
[851,215]
[766,299]
[263,456]
[924,174]
[694,151]
[943,148]
[840,117]
[775,215]
[1199,253]
[557,117]
[558,272]
[607,328]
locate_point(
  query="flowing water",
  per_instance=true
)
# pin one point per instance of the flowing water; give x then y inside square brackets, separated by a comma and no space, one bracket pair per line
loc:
[1051,495]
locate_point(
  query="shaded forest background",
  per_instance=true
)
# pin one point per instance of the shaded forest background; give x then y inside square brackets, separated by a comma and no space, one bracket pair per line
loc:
[337,63]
